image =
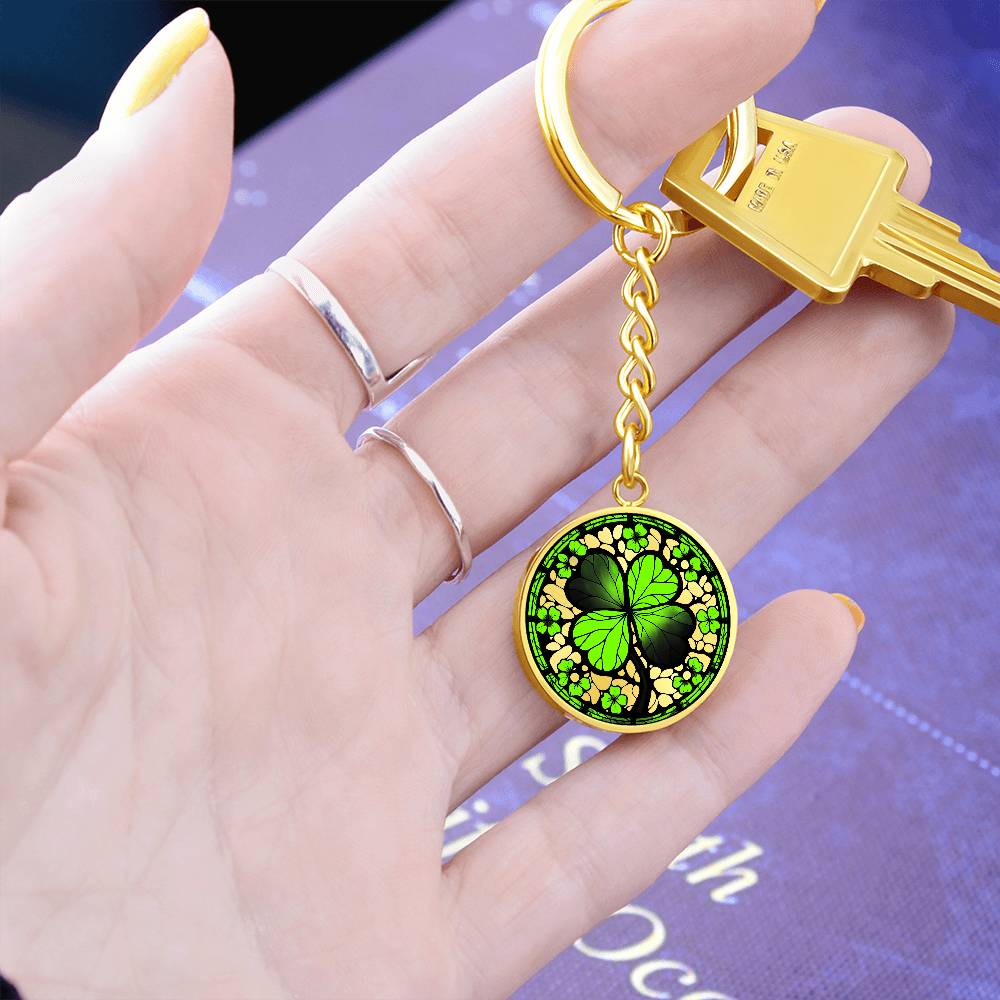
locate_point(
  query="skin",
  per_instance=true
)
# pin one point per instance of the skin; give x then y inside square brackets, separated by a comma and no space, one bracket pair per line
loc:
[204,593]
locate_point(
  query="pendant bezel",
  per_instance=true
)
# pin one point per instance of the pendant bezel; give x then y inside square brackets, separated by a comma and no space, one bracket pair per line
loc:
[523,642]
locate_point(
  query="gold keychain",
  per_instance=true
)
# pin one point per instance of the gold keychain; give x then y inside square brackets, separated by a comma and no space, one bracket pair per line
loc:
[625,618]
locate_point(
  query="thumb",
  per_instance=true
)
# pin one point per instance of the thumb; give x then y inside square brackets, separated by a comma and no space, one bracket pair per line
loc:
[95,254]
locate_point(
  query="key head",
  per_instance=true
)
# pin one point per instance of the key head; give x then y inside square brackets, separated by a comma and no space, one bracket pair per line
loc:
[809,207]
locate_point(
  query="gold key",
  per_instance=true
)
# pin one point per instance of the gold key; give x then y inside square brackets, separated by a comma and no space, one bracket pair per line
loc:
[820,208]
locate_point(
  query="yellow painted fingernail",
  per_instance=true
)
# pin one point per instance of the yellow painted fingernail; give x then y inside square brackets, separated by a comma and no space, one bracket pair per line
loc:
[150,73]
[856,613]
[819,7]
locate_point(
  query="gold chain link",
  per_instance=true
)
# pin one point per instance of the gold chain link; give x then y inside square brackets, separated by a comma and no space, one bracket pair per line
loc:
[638,337]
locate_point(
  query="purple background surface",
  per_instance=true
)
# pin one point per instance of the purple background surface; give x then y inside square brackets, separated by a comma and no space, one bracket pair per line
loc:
[866,864]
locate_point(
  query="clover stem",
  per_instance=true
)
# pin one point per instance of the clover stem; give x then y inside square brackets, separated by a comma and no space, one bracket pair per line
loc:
[641,704]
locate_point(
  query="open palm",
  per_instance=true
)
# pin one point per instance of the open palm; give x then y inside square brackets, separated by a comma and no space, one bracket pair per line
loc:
[227,760]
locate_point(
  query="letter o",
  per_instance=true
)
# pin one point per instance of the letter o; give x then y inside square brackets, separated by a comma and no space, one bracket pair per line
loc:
[653,941]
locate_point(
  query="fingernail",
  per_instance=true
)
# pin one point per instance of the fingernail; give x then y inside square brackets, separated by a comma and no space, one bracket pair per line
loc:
[856,613]
[819,7]
[150,73]
[930,159]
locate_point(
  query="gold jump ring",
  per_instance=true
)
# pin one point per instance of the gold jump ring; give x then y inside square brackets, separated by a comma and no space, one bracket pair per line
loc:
[639,499]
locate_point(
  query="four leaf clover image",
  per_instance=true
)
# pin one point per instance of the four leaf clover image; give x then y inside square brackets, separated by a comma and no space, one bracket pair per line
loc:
[695,564]
[548,621]
[622,628]
[635,538]
[624,612]
[613,700]
[694,665]
[563,568]
[565,669]
[708,620]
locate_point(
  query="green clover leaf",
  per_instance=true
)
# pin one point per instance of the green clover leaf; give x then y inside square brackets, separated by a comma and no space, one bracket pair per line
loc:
[622,610]
[603,637]
[663,632]
[651,581]
[597,584]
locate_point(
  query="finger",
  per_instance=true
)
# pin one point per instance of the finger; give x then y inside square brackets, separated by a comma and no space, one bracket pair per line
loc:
[464,213]
[543,876]
[550,377]
[776,425]
[95,254]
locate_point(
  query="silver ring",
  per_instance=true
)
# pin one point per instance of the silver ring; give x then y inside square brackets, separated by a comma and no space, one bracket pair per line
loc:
[422,469]
[326,306]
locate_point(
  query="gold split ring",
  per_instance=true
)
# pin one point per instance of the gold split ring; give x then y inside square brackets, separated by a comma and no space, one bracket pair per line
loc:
[552,101]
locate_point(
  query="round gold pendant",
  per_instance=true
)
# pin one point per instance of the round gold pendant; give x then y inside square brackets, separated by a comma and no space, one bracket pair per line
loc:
[625,619]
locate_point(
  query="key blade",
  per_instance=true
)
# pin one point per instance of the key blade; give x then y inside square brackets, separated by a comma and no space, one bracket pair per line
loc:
[820,208]
[919,253]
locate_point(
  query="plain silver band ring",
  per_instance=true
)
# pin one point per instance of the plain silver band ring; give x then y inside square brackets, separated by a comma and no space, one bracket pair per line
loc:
[325,304]
[423,470]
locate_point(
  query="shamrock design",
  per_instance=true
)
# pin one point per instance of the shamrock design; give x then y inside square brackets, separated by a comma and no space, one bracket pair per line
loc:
[571,681]
[563,568]
[623,611]
[694,568]
[548,621]
[694,668]
[708,620]
[613,700]
[634,538]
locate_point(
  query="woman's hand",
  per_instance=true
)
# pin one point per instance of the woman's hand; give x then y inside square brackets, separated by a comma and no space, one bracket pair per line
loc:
[227,760]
